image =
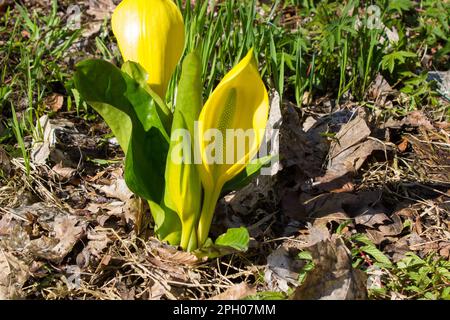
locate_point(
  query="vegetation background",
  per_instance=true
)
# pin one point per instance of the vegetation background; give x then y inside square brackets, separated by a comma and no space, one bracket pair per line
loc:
[364,90]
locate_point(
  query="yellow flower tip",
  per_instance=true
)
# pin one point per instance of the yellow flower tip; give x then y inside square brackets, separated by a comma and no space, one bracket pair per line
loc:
[239,103]
[151,33]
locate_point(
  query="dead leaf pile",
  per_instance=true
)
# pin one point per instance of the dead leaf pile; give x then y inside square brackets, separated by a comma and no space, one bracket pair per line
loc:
[99,10]
[34,233]
[349,150]
[62,143]
[333,277]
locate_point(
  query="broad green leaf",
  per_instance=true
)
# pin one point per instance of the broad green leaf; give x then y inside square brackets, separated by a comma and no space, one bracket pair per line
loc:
[246,176]
[135,70]
[132,116]
[107,99]
[234,240]
[145,163]
[167,223]
[138,73]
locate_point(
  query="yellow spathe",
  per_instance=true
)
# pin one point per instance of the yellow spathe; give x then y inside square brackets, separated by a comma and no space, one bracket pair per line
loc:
[239,102]
[151,33]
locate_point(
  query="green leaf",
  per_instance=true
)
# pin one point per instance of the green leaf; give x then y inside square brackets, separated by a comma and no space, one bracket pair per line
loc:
[234,240]
[400,5]
[376,254]
[246,176]
[138,73]
[132,116]
[305,271]
[362,238]
[189,96]
[167,223]
[445,295]
[370,249]
[390,60]
[342,226]
[305,255]
[110,104]
[183,193]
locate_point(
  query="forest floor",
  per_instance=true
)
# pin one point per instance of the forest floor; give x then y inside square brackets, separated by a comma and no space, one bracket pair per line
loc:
[359,206]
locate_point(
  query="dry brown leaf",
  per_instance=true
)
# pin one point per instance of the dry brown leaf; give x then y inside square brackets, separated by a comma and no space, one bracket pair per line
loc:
[445,250]
[54,102]
[371,218]
[118,189]
[99,10]
[109,209]
[13,275]
[349,160]
[418,119]
[98,241]
[375,236]
[280,273]
[6,224]
[350,134]
[171,254]
[248,199]
[157,291]
[67,230]
[44,148]
[128,211]
[236,292]
[403,145]
[303,149]
[349,151]
[133,210]
[349,204]
[282,270]
[398,248]
[380,90]
[412,119]
[63,172]
[333,277]
[393,229]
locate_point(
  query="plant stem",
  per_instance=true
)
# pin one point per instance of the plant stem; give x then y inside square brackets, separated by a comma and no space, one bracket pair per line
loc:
[193,244]
[188,234]
[206,216]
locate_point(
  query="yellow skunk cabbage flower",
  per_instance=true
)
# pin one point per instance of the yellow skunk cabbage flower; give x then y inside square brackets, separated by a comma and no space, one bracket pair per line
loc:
[231,129]
[151,33]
